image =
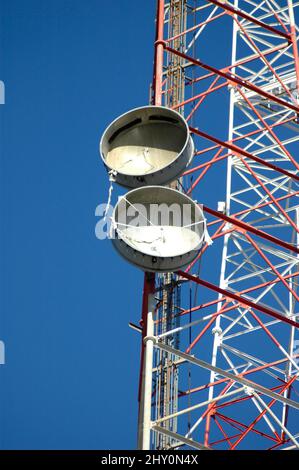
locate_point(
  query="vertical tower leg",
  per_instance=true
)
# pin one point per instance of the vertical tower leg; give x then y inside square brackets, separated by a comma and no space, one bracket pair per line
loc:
[145,399]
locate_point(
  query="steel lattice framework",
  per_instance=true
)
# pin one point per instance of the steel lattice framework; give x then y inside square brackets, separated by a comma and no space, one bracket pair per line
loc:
[220,359]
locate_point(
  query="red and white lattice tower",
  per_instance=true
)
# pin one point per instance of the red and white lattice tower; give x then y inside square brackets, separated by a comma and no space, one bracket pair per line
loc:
[220,349]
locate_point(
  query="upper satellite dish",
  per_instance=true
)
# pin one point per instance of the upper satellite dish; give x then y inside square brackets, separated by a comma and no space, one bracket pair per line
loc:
[148,145]
[158,229]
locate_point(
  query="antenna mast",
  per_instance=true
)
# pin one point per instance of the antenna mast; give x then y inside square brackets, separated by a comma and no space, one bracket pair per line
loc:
[243,352]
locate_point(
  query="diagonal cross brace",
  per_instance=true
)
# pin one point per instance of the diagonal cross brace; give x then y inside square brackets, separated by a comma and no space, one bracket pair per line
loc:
[228,375]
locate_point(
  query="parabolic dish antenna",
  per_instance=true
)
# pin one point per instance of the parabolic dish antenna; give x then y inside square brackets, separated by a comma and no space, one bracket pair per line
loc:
[157,229]
[147,146]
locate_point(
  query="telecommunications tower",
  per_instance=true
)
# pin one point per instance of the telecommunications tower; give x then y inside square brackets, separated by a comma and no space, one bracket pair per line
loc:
[220,342]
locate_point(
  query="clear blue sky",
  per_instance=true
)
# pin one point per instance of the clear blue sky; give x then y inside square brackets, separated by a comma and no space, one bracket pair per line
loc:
[70,67]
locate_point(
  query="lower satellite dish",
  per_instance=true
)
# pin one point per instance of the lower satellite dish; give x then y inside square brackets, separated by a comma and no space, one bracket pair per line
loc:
[157,229]
[148,145]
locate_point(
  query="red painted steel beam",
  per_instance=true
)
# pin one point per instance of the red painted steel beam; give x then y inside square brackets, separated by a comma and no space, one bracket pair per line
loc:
[197,26]
[270,195]
[243,374]
[278,444]
[234,423]
[245,291]
[231,10]
[213,160]
[235,222]
[235,139]
[264,59]
[238,298]
[259,417]
[206,328]
[271,132]
[233,79]
[246,398]
[268,262]
[220,157]
[241,62]
[159,50]
[253,208]
[226,439]
[238,150]
[249,228]
[209,412]
[201,95]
